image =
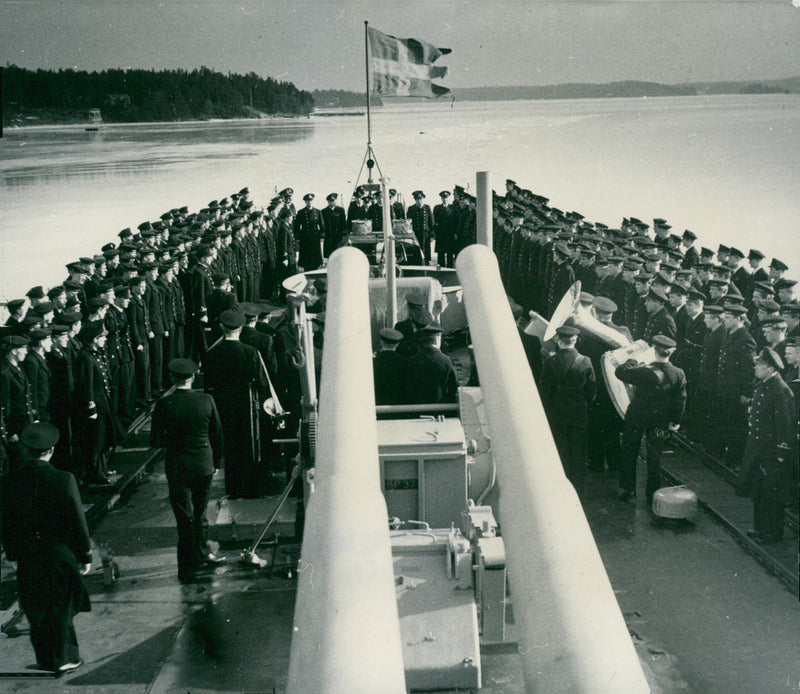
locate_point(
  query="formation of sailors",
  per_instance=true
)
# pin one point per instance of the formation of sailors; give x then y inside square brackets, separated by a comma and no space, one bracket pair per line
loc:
[88,354]
[717,319]
[91,352]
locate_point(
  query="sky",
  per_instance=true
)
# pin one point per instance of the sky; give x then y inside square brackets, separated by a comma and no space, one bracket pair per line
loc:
[319,44]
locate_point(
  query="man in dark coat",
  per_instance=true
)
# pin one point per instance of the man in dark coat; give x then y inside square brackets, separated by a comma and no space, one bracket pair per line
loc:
[62,385]
[605,424]
[220,300]
[655,409]
[659,321]
[688,356]
[141,332]
[187,424]
[333,218]
[45,532]
[422,223]
[418,317]
[563,277]
[38,370]
[389,369]
[444,230]
[431,375]
[200,286]
[235,377]
[309,230]
[568,385]
[95,429]
[735,381]
[766,470]
[16,396]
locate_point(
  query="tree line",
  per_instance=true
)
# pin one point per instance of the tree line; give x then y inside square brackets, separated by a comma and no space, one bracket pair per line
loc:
[146,95]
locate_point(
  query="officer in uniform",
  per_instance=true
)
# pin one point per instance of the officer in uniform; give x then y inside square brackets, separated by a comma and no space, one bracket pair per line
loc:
[655,409]
[45,532]
[659,321]
[389,369]
[444,229]
[141,332]
[62,385]
[734,381]
[430,371]
[38,370]
[765,474]
[563,277]
[236,379]
[568,385]
[16,397]
[422,223]
[309,230]
[187,424]
[333,218]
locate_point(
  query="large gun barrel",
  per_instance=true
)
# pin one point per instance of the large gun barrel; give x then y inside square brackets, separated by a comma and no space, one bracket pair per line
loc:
[346,637]
[573,637]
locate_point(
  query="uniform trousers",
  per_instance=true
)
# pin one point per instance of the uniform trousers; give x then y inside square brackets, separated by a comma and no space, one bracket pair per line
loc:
[631,443]
[156,362]
[571,444]
[142,368]
[189,498]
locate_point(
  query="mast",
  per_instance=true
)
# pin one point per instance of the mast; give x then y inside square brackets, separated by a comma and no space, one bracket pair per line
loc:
[366,66]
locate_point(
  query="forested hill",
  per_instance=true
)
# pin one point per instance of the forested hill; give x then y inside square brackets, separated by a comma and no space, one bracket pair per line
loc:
[46,96]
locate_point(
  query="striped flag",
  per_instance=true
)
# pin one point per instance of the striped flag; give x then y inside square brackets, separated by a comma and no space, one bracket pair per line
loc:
[404,67]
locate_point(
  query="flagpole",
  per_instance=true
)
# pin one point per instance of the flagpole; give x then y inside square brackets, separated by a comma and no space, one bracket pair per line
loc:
[366,65]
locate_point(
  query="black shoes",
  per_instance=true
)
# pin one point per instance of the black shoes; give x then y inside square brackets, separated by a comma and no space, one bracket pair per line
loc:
[626,495]
[213,559]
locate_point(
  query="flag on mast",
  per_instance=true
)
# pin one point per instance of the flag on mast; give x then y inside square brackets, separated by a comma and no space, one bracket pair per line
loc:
[404,67]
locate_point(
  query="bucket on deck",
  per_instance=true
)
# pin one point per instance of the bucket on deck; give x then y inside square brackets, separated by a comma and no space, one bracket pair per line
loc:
[675,502]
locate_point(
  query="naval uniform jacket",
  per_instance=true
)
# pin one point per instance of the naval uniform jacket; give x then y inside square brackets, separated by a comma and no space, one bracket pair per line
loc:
[389,370]
[568,385]
[659,323]
[309,230]
[38,371]
[138,320]
[735,366]
[45,532]
[432,377]
[660,395]
[186,423]
[335,228]
[200,287]
[563,279]
[16,400]
[422,223]
[771,436]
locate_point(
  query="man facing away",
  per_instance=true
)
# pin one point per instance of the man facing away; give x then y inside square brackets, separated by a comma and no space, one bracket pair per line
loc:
[187,424]
[236,378]
[655,409]
[389,369]
[45,532]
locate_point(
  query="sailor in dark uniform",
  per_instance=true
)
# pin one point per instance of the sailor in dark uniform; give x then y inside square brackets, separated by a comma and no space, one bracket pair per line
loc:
[765,474]
[16,398]
[605,424]
[444,230]
[45,532]
[734,381]
[659,322]
[38,370]
[236,379]
[139,324]
[422,223]
[568,385]
[563,277]
[200,286]
[94,421]
[389,369]
[418,317]
[187,424]
[655,409]
[690,253]
[220,300]
[431,376]
[335,223]
[397,207]
[309,230]
[62,385]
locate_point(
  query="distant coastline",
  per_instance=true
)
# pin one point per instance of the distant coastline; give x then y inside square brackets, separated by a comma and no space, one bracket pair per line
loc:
[47,98]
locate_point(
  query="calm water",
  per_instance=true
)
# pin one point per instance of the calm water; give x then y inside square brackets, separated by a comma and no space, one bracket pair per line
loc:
[726,167]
